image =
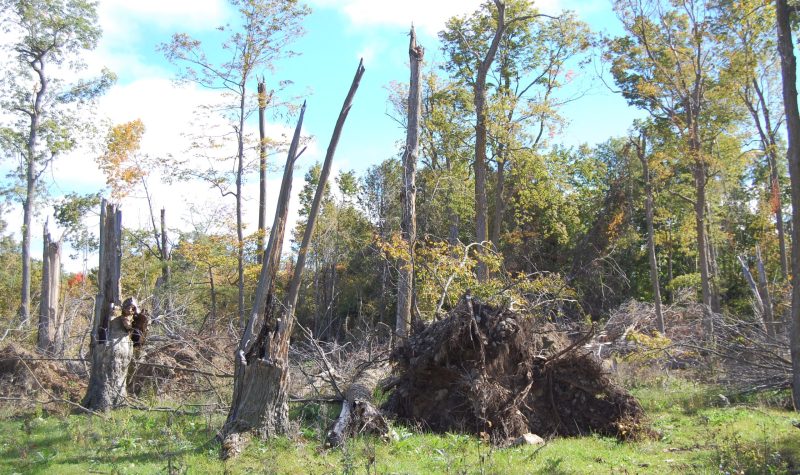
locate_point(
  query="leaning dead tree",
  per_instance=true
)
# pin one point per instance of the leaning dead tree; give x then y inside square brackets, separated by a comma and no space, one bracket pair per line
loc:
[111,347]
[762,301]
[261,377]
[50,338]
[405,283]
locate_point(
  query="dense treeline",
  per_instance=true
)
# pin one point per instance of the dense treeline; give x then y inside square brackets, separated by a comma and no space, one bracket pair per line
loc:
[570,222]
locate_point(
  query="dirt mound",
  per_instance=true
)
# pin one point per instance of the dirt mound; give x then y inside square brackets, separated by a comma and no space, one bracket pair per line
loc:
[24,374]
[180,366]
[500,374]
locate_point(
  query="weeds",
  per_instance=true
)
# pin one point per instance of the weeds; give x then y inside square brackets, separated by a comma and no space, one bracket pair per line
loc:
[693,434]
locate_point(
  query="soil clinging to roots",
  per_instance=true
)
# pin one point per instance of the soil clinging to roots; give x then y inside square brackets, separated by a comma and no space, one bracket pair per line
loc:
[500,374]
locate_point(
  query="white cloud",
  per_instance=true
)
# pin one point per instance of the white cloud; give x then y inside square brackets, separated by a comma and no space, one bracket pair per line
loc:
[427,15]
[116,15]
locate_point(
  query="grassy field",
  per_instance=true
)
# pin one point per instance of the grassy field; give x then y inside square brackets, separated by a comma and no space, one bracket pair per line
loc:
[693,432]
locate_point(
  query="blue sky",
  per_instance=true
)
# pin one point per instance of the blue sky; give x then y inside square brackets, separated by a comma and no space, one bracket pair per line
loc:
[338,33]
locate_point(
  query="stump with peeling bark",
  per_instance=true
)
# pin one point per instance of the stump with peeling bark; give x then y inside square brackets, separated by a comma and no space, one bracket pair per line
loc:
[111,346]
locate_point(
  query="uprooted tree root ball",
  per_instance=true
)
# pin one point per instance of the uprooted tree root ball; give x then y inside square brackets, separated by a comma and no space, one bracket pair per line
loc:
[500,374]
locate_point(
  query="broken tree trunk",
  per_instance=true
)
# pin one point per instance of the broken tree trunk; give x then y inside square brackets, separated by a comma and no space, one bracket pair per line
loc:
[408,226]
[358,415]
[257,405]
[111,347]
[50,338]
[261,380]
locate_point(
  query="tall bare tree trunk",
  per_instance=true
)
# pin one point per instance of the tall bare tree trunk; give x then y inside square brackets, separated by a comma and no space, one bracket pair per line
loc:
[50,338]
[789,74]
[111,347]
[31,181]
[479,99]
[27,213]
[166,271]
[239,198]
[262,169]
[162,304]
[261,380]
[641,153]
[408,226]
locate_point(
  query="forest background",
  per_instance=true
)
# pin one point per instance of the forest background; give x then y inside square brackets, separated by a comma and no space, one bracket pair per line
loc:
[604,126]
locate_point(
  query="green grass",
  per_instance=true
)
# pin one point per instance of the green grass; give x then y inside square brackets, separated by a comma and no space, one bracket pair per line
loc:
[692,433]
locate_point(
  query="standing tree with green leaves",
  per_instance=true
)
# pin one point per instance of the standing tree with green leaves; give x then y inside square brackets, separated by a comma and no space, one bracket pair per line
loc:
[44,109]
[670,64]
[262,35]
[754,66]
[472,44]
[514,59]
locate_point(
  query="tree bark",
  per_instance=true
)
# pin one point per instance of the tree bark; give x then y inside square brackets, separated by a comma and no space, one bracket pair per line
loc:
[261,379]
[789,76]
[50,338]
[651,235]
[479,99]
[111,347]
[408,225]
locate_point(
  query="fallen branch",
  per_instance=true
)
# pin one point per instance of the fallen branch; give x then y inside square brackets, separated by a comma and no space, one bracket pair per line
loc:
[358,415]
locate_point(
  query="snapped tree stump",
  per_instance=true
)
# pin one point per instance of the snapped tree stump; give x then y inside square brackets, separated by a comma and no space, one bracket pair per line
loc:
[111,346]
[261,378]
[50,337]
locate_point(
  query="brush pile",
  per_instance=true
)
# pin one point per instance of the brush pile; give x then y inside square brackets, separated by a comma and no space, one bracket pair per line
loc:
[28,375]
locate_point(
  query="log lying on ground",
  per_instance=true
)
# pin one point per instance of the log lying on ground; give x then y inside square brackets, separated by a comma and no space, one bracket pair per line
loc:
[358,414]
[500,374]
